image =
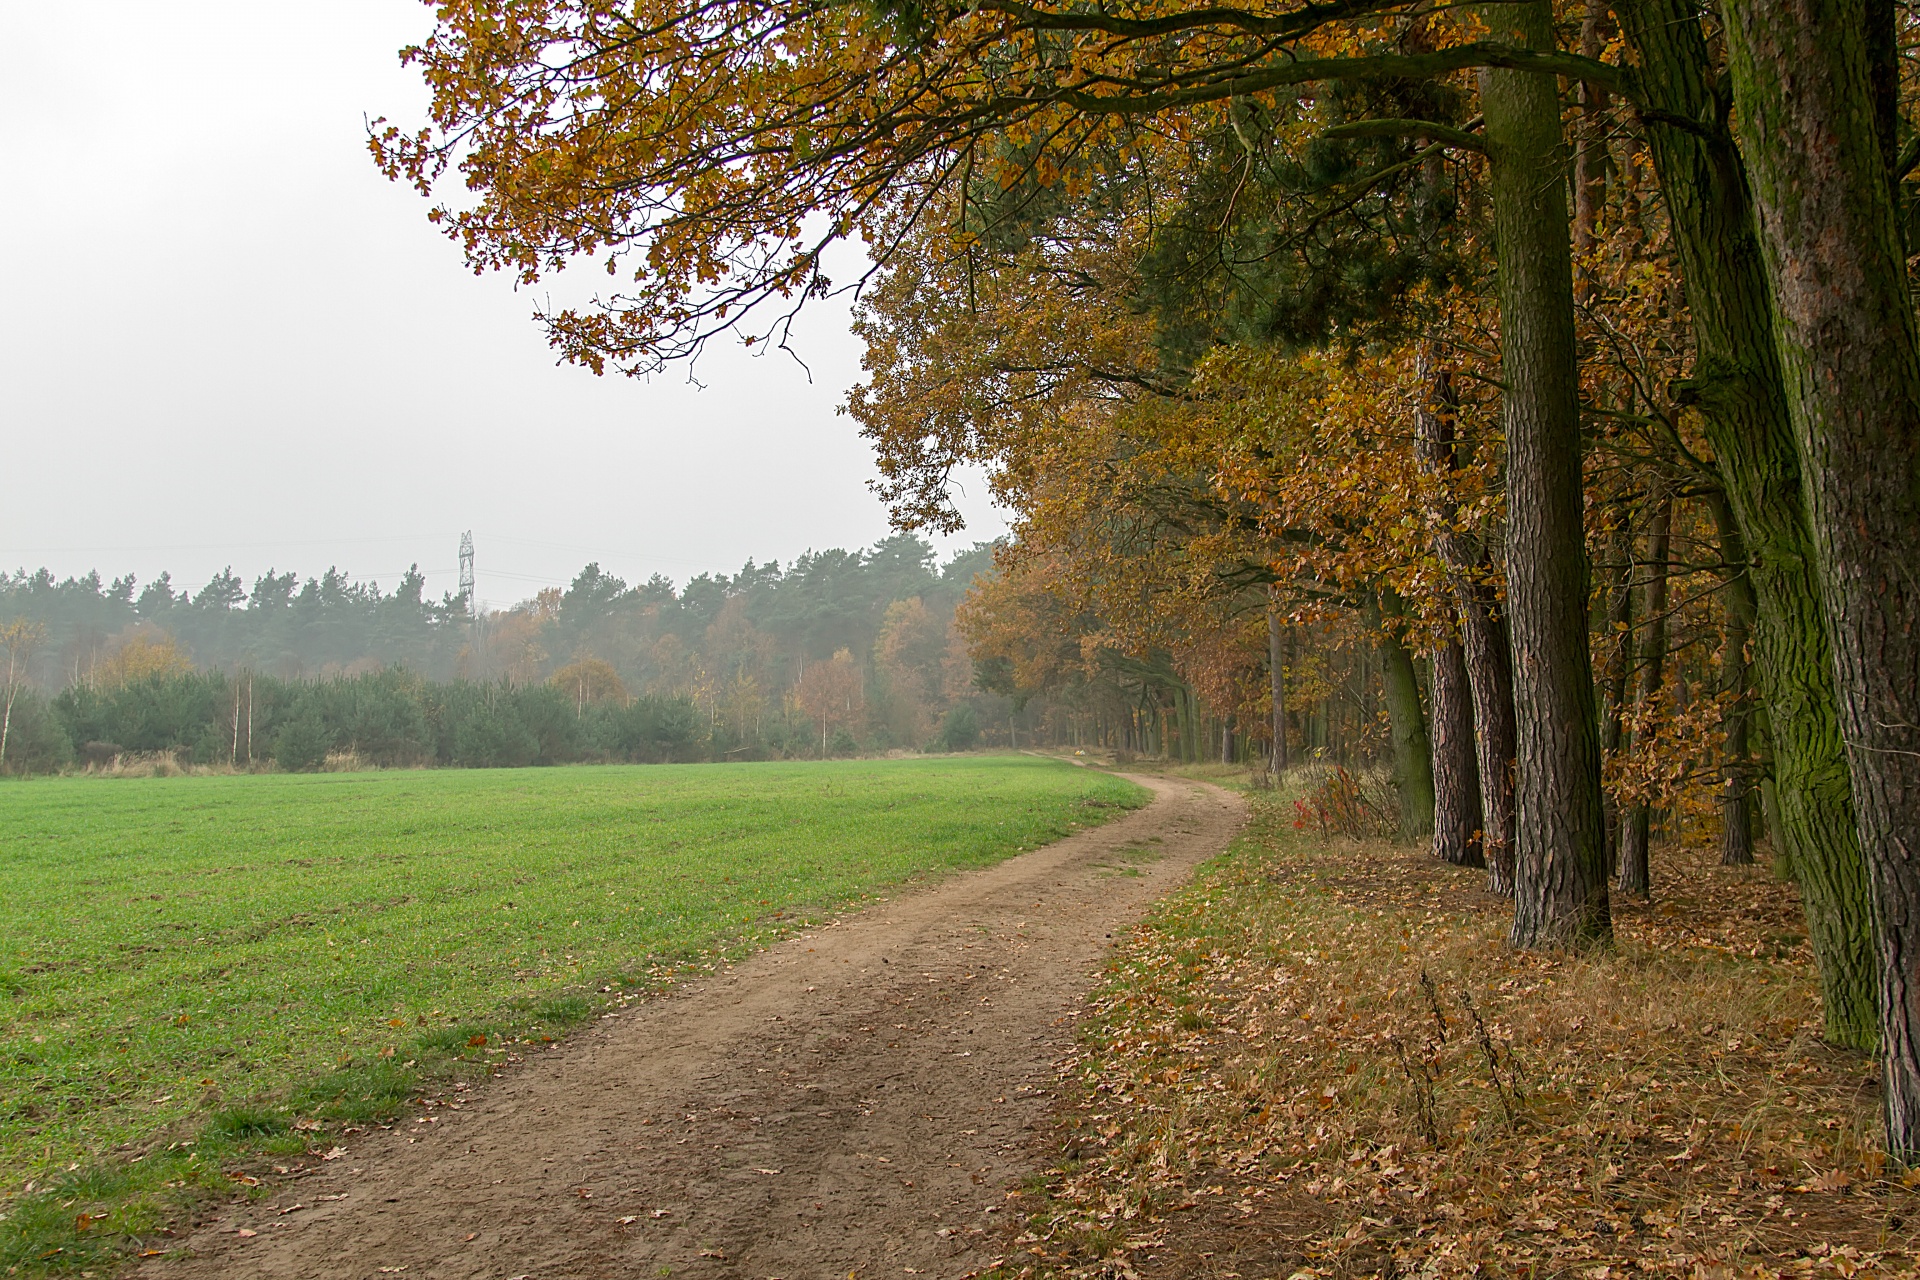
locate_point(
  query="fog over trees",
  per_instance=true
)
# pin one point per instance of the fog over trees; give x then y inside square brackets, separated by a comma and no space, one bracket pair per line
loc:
[723,667]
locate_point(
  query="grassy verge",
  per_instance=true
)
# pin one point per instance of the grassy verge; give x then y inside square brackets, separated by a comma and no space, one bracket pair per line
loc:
[203,971]
[1322,1060]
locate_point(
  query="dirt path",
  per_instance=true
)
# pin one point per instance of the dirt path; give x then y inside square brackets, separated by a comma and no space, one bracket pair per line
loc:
[852,1100]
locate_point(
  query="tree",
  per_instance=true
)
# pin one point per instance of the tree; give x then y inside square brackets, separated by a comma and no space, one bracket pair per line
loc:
[1650,667]
[1460,807]
[1560,865]
[1457,818]
[145,654]
[1413,774]
[19,638]
[589,681]
[1738,389]
[712,156]
[1819,148]
[959,729]
[909,655]
[826,693]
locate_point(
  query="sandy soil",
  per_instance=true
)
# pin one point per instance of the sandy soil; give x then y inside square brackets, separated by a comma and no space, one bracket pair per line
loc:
[851,1102]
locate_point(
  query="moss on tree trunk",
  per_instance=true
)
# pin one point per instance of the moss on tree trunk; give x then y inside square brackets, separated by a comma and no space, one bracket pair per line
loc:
[1844,332]
[1740,391]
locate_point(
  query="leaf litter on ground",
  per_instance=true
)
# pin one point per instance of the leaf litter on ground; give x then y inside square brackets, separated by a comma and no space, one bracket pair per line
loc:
[1322,1060]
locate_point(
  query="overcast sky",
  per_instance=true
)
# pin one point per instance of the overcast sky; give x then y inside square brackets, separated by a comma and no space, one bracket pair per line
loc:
[231,341]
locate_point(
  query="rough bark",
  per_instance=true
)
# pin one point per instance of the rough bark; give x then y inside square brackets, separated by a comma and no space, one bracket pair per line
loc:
[1483,629]
[1560,880]
[1845,334]
[1650,666]
[1457,809]
[1740,391]
[1883,79]
[1456,771]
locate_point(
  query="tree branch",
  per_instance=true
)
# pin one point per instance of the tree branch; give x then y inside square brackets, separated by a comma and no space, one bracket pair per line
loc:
[1390,128]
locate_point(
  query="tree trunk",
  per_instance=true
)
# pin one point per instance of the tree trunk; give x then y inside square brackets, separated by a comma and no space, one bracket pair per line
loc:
[1483,629]
[1736,786]
[1845,334]
[1560,871]
[1740,391]
[1276,679]
[1650,666]
[1590,145]
[1618,666]
[1456,773]
[1457,806]
[1736,769]
[1412,752]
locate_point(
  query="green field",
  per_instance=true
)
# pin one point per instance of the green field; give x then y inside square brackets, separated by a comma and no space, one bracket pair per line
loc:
[174,949]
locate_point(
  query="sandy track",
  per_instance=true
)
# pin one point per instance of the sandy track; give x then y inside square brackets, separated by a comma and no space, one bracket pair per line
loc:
[852,1100]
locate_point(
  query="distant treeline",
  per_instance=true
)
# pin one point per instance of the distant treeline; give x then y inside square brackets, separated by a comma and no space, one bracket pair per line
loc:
[390,719]
[843,651]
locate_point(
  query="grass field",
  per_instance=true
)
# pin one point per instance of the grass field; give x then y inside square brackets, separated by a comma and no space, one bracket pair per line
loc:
[176,951]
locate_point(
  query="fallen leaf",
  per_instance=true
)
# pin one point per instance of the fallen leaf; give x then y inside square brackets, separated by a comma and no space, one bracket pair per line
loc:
[474,1042]
[629,1220]
[244,1233]
[334,1154]
[766,1171]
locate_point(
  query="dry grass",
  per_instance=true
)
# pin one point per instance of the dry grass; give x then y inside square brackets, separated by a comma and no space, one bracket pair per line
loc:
[1322,1060]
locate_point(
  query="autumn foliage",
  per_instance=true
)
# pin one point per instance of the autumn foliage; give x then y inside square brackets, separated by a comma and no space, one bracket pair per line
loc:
[1336,347]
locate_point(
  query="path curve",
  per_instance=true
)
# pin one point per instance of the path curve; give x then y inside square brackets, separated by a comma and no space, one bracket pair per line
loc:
[852,1100]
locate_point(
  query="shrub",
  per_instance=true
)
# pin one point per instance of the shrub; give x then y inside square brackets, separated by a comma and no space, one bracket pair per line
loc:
[36,743]
[1342,805]
[959,731]
[302,744]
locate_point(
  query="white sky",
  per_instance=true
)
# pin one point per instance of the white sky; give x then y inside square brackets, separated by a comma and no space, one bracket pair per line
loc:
[231,341]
